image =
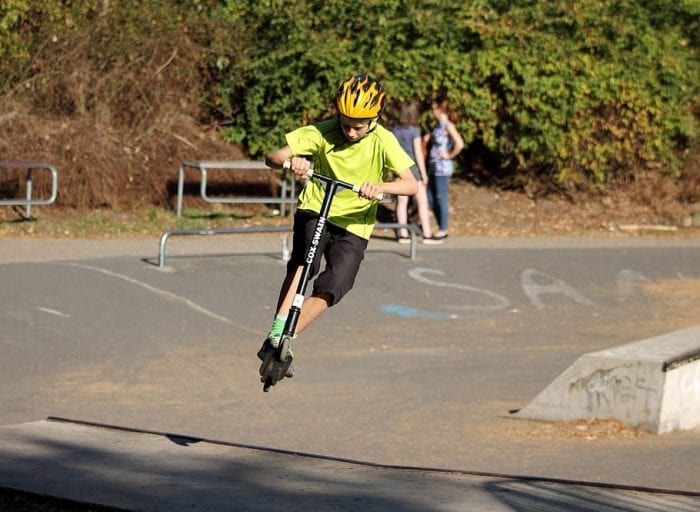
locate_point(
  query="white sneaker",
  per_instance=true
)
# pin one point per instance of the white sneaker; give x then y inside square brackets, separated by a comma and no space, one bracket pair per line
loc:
[432,241]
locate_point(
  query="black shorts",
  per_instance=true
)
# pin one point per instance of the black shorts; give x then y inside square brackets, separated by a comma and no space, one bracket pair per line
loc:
[343,252]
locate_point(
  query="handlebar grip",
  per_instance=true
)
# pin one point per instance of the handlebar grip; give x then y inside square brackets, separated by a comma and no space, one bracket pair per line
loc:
[356,189]
[287,165]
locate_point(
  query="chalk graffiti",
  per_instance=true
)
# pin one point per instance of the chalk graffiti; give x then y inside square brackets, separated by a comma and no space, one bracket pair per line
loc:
[553,286]
[498,301]
[408,312]
[535,284]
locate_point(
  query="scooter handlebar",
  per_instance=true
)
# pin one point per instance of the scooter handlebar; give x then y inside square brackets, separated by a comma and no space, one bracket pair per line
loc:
[287,165]
[356,188]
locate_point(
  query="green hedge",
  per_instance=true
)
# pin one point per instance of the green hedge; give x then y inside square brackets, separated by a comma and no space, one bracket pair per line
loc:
[575,91]
[582,91]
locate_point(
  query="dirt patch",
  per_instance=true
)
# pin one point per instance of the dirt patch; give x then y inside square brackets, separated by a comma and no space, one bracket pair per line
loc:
[483,211]
[674,288]
[607,429]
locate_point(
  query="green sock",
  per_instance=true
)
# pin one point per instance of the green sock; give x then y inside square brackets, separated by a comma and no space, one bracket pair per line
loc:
[277,326]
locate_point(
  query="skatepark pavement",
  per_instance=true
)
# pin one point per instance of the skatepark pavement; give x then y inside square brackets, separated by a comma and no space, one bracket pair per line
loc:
[406,407]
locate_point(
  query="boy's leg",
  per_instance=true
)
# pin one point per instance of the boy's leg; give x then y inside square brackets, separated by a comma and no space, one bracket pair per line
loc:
[314,306]
[287,290]
[343,257]
[344,254]
[304,224]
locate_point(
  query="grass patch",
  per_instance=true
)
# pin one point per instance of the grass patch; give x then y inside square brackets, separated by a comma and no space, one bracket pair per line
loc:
[51,222]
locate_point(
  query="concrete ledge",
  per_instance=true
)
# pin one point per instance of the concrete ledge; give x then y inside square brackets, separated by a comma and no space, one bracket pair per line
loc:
[653,384]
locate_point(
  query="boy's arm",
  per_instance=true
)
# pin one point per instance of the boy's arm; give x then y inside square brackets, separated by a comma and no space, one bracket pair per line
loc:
[275,159]
[300,166]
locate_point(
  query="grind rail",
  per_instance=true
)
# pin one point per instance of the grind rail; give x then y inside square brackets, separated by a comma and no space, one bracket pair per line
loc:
[267,229]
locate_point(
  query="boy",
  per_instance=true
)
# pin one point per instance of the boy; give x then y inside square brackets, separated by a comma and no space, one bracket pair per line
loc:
[355,148]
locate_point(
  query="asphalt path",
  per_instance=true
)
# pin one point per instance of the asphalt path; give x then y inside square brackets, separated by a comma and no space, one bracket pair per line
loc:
[420,365]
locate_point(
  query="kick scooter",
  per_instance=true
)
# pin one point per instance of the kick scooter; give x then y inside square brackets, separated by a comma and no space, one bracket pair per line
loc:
[276,362]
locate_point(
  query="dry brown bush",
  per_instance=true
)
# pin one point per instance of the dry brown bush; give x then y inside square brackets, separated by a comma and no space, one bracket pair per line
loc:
[114,112]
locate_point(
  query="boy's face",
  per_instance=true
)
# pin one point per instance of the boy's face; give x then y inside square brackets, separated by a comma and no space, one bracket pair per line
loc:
[354,129]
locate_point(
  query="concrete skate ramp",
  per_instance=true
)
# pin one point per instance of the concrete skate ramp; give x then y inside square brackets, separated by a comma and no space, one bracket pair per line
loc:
[653,384]
[139,470]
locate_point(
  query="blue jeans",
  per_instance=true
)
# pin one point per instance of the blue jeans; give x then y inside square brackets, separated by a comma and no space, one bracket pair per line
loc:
[437,196]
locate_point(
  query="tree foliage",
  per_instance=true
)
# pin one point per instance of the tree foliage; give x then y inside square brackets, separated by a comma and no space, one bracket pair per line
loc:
[572,92]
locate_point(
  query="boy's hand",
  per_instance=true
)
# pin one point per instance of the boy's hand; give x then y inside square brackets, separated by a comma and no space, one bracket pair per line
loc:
[369,190]
[300,167]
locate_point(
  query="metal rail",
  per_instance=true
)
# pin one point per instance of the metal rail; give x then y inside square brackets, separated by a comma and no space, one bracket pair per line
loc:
[29,201]
[265,229]
[287,195]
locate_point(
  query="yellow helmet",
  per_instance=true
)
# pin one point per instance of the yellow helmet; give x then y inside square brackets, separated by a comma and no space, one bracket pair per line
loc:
[360,97]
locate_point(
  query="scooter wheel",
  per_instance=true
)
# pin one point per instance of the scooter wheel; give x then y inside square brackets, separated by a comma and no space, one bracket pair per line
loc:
[267,385]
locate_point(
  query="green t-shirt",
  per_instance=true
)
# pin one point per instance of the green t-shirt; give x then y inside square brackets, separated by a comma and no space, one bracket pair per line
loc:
[369,159]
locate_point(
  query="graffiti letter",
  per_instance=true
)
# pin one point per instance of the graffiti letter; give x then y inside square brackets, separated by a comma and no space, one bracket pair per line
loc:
[500,302]
[534,290]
